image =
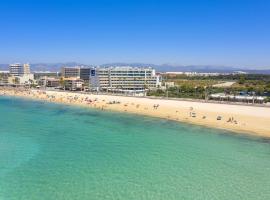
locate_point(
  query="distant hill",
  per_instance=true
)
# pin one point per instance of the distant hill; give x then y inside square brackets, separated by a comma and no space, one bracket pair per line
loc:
[159,68]
[194,68]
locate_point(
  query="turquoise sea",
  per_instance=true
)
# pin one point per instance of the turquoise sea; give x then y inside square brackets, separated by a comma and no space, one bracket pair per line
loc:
[52,151]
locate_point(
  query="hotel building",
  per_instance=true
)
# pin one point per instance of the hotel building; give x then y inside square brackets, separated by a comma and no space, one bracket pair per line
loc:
[70,72]
[123,79]
[19,69]
[21,74]
[76,72]
[85,74]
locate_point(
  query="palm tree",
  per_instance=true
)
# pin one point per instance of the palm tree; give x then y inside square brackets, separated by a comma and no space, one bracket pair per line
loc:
[205,93]
[16,80]
[62,83]
[145,86]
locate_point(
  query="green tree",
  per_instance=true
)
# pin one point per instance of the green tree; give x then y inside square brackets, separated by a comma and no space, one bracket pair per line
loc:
[242,79]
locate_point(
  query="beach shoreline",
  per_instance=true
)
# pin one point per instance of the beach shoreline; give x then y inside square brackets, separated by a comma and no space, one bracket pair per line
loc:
[250,120]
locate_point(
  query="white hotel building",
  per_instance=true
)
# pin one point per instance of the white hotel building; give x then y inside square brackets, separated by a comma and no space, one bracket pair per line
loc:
[124,79]
[21,73]
[18,69]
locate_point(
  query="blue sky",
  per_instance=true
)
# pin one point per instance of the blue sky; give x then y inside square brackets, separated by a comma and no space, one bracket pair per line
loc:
[180,32]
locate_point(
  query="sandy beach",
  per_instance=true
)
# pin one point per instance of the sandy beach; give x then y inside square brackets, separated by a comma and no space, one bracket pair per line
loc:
[237,118]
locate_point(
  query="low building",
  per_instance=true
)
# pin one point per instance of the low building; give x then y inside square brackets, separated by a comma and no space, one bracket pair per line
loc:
[53,82]
[17,80]
[4,72]
[238,98]
[73,84]
[169,84]
[49,82]
[26,79]
[40,74]
[5,79]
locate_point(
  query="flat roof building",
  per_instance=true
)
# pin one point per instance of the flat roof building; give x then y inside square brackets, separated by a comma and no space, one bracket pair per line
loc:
[238,98]
[124,78]
[73,84]
[85,73]
[40,74]
[49,82]
[21,74]
[70,72]
[18,69]
[76,72]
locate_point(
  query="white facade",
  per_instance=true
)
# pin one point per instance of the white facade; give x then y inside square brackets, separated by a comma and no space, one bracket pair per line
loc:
[20,74]
[237,98]
[26,79]
[19,69]
[4,72]
[123,78]
[73,83]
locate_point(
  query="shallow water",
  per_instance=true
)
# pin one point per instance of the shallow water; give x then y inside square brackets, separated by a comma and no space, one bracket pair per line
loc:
[52,151]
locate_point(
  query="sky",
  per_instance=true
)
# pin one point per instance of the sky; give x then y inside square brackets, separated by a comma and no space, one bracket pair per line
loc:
[176,32]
